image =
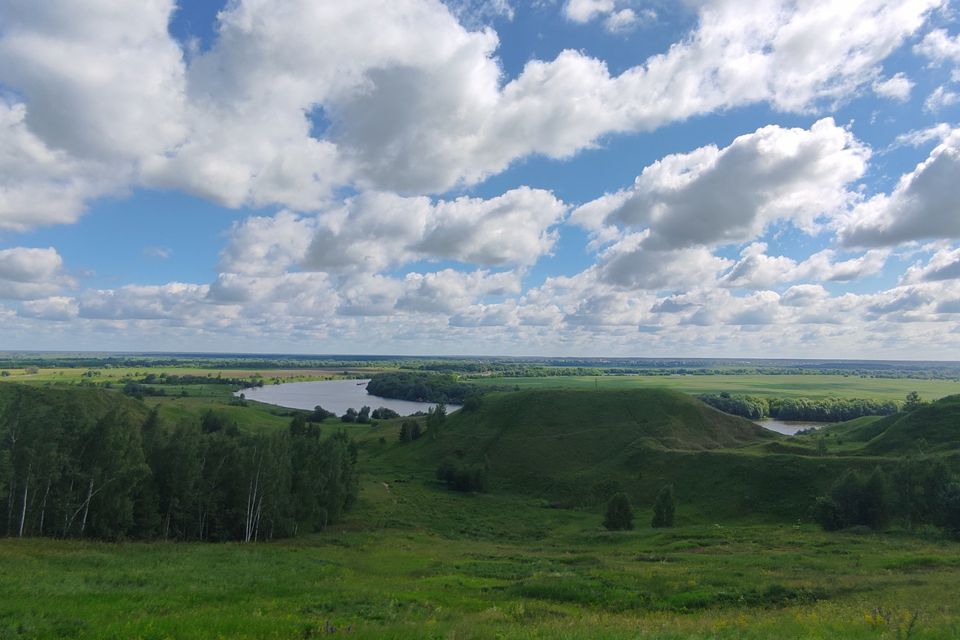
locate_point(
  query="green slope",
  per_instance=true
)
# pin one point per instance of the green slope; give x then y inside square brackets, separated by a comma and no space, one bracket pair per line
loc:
[74,405]
[572,447]
[932,428]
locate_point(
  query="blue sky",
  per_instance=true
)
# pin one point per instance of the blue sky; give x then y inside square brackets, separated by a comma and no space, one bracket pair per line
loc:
[575,177]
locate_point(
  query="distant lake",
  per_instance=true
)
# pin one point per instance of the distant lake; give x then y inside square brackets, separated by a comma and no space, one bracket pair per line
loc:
[333,395]
[789,427]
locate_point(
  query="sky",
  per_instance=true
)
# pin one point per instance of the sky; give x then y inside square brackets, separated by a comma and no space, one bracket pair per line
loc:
[482,177]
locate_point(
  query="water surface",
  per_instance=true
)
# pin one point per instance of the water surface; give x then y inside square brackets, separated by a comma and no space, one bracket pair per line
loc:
[789,427]
[333,395]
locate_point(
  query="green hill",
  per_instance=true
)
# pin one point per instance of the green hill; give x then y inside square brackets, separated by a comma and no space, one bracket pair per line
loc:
[576,447]
[26,403]
[932,428]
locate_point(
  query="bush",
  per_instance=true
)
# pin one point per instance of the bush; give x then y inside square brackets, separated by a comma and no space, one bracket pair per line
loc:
[410,430]
[855,499]
[619,513]
[950,509]
[664,508]
[462,477]
[384,414]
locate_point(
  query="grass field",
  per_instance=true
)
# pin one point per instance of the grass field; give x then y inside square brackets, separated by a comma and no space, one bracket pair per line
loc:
[416,561]
[116,374]
[807,386]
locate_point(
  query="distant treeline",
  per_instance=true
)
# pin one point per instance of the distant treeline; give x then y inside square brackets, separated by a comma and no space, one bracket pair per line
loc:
[497,366]
[167,378]
[81,463]
[420,386]
[817,410]
[671,368]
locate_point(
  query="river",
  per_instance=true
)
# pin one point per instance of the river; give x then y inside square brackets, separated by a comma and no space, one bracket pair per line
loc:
[333,395]
[789,427]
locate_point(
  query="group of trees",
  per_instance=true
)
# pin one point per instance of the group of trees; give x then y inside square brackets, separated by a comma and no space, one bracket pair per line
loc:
[364,416]
[68,471]
[410,430]
[420,387]
[814,409]
[620,514]
[462,477]
[914,492]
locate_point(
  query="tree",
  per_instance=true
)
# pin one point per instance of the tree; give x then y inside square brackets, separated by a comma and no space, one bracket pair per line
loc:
[664,508]
[950,509]
[405,435]
[436,417]
[619,514]
[349,416]
[363,417]
[912,402]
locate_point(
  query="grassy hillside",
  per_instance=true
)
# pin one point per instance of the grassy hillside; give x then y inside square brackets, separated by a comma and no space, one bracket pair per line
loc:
[931,428]
[573,448]
[64,404]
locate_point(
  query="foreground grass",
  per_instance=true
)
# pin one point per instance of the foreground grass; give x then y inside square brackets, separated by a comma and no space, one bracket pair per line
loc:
[417,561]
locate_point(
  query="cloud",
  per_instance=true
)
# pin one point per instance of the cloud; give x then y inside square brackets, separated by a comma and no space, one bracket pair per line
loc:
[922,205]
[374,231]
[939,47]
[396,96]
[267,245]
[40,185]
[714,196]
[27,273]
[633,263]
[617,15]
[102,81]
[161,253]
[943,265]
[448,291]
[756,270]
[53,308]
[175,301]
[940,99]
[98,87]
[939,132]
[896,87]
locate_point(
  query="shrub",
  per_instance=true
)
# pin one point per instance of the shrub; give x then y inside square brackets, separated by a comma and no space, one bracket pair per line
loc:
[462,477]
[664,508]
[619,513]
[855,499]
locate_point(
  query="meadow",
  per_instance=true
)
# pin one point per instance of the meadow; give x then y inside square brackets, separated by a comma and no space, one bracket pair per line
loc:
[785,385]
[419,561]
[414,559]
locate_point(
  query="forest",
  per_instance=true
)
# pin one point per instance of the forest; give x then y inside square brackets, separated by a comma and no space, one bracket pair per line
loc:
[82,464]
[420,386]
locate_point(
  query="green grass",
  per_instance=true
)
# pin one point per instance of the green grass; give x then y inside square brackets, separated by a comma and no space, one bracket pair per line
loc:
[417,561]
[803,386]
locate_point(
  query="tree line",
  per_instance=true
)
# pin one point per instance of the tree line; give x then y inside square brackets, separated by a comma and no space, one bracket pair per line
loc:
[813,409]
[915,492]
[84,464]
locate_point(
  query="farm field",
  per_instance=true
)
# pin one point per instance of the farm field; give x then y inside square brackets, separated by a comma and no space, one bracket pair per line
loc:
[806,385]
